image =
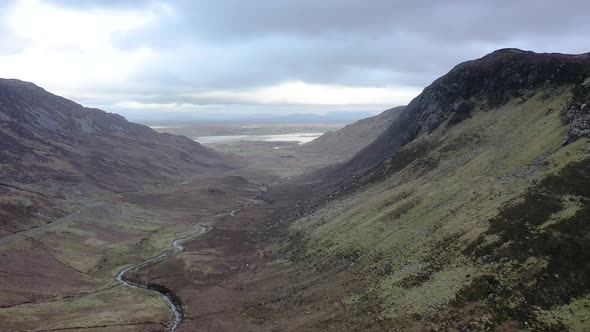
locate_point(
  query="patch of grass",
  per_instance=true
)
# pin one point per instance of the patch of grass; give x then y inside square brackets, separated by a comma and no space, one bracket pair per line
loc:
[575,315]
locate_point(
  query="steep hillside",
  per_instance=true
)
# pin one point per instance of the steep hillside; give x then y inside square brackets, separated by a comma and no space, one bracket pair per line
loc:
[54,152]
[483,84]
[469,213]
[349,140]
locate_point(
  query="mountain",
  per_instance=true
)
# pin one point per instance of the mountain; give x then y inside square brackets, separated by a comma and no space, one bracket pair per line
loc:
[470,212]
[53,151]
[486,83]
[347,141]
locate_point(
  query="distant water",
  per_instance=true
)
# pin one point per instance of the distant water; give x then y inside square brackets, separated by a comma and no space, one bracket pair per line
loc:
[291,137]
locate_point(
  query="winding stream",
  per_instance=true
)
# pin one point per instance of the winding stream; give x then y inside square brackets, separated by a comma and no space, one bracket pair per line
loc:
[178,246]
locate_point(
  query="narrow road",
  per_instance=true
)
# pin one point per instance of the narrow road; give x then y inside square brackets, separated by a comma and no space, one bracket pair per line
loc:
[178,245]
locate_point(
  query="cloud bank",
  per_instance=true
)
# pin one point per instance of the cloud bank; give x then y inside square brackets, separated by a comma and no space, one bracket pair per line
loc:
[153,58]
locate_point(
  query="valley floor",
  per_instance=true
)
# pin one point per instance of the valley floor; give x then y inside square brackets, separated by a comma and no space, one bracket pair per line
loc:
[63,276]
[253,270]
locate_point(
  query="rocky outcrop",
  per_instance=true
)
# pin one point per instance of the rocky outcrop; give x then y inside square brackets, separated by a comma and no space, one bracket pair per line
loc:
[576,113]
[488,82]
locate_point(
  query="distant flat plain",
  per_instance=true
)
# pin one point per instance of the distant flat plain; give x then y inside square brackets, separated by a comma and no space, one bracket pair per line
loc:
[273,147]
[227,129]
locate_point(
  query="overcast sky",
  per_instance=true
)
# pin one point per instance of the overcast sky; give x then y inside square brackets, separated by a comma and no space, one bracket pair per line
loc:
[168,58]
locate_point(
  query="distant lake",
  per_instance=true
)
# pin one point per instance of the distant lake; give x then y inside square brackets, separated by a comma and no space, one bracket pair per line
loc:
[291,137]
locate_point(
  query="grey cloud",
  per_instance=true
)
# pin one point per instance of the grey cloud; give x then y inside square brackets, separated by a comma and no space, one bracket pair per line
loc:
[354,42]
[237,44]
[351,42]
[235,20]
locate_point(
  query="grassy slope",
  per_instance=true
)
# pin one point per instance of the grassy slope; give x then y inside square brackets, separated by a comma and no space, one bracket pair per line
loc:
[345,142]
[410,231]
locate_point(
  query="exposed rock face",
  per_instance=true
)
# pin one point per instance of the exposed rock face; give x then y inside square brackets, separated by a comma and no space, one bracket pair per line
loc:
[490,82]
[50,145]
[577,113]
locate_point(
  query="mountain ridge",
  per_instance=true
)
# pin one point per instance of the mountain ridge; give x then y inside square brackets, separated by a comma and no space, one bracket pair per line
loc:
[53,145]
[489,79]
